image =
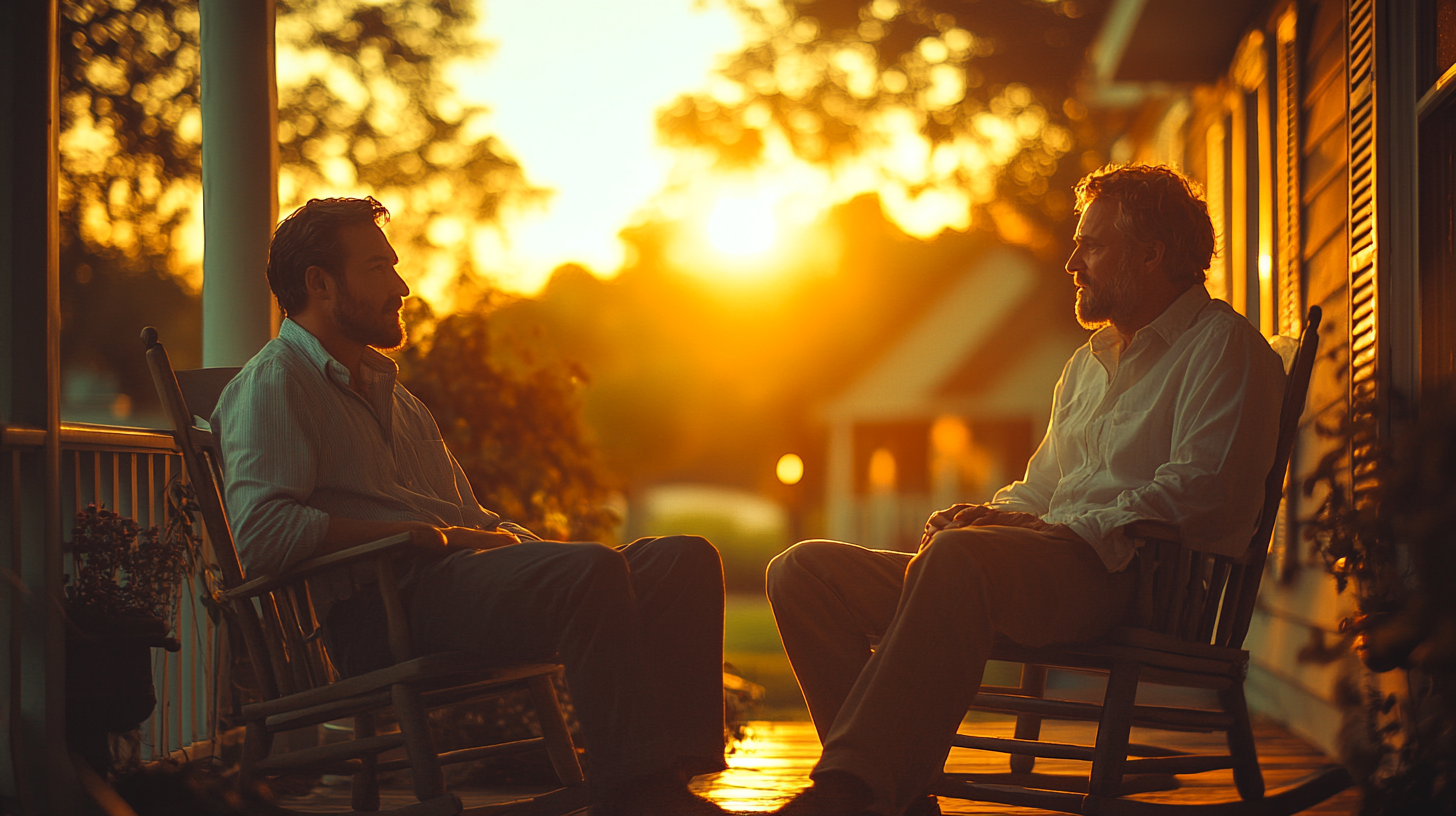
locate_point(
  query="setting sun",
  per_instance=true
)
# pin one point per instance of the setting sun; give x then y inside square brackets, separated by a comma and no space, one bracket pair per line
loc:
[742,226]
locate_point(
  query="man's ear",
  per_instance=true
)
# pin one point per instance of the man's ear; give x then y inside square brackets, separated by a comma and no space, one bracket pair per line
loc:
[1153,253]
[319,283]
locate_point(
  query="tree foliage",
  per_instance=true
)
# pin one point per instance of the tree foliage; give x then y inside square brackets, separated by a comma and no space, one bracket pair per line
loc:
[363,108]
[510,410]
[961,98]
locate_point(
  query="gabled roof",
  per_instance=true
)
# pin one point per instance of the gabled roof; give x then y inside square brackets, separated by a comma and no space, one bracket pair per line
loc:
[984,346]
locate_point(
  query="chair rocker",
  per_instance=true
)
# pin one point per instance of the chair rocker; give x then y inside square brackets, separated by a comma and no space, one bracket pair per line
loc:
[1192,612]
[301,687]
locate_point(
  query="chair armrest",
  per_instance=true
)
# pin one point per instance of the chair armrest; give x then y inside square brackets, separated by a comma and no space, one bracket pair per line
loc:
[1149,530]
[313,566]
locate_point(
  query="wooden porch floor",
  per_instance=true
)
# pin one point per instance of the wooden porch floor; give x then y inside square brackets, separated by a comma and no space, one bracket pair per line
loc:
[772,763]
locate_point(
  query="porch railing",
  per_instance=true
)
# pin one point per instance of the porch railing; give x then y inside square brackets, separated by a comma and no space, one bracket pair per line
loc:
[128,470]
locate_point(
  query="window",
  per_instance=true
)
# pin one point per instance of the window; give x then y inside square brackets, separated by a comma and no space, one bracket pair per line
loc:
[1437,177]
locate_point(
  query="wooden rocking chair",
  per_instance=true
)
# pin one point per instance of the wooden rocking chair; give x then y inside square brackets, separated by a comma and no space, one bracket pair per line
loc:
[299,684]
[1193,610]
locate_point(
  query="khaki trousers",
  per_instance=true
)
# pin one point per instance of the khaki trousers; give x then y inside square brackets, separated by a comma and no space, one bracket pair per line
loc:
[887,714]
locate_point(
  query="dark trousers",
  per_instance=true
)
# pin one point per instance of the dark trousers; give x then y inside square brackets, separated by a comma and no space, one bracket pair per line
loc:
[639,630]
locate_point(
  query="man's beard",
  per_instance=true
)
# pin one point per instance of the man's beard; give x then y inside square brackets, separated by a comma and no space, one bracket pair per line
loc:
[383,330]
[1113,299]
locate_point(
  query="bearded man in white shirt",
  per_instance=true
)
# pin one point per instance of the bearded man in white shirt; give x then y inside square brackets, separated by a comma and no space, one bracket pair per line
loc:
[1169,412]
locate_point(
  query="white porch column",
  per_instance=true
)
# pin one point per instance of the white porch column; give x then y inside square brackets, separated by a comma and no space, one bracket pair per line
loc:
[239,177]
[839,481]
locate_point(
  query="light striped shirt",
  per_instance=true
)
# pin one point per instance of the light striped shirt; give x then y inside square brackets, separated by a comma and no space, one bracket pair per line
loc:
[299,445]
[1178,427]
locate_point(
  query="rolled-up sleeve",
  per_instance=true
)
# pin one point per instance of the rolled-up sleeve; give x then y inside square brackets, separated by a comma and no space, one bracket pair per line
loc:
[267,443]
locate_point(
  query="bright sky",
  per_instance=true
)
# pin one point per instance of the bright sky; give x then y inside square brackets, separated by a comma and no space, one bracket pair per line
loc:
[574,87]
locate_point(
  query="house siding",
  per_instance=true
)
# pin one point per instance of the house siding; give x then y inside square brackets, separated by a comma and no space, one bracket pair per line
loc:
[1296,623]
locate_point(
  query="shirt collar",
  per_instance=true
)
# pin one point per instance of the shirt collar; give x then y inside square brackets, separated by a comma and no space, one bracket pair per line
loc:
[303,341]
[1180,314]
[1107,343]
[1169,325]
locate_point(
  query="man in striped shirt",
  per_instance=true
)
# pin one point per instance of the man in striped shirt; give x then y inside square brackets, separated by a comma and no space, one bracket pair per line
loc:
[325,450]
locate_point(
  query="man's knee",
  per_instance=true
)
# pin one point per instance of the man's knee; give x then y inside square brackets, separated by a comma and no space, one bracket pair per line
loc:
[964,546]
[694,551]
[598,561]
[799,562]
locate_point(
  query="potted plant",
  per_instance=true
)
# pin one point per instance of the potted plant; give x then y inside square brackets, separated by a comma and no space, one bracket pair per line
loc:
[1398,553]
[119,606]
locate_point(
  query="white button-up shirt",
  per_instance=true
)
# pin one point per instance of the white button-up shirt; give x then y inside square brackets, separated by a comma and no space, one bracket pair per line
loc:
[1179,427]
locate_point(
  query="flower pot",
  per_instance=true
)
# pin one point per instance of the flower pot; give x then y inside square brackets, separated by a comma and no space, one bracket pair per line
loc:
[109,679]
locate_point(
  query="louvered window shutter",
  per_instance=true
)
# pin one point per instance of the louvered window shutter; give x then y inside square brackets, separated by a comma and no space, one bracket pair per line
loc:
[1287,101]
[1365,390]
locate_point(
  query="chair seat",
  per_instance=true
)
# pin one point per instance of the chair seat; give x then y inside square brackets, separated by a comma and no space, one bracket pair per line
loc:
[1156,653]
[431,673]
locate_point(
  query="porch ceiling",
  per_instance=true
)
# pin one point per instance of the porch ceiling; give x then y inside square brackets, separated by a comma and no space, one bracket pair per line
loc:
[1178,41]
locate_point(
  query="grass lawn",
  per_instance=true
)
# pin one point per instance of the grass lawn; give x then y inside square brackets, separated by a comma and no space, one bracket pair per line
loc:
[751,643]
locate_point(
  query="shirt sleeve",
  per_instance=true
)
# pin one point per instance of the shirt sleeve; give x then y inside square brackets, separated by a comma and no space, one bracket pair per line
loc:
[470,508]
[1225,426]
[1033,492]
[268,442]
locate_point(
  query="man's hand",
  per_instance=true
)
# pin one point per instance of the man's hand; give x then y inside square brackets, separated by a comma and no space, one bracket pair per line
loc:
[426,536]
[344,533]
[957,515]
[469,538]
[964,515]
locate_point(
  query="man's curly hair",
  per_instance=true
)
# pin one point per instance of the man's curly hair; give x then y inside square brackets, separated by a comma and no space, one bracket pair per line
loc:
[1158,204]
[310,237]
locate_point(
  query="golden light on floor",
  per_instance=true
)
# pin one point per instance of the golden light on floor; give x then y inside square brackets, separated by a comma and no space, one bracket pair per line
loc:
[773,760]
[790,468]
[767,767]
[742,226]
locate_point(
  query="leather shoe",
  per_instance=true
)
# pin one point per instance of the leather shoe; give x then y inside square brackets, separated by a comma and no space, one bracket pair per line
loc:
[832,794]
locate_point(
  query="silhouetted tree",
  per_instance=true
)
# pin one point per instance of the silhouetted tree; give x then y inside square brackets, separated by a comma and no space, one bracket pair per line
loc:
[510,410]
[986,83]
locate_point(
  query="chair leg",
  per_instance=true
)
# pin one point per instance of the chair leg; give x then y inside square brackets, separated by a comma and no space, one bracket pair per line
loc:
[257,743]
[1112,731]
[1247,776]
[1028,726]
[364,795]
[424,762]
[553,728]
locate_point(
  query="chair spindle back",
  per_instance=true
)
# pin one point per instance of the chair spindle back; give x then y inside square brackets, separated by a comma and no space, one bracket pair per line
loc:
[1206,598]
[277,629]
